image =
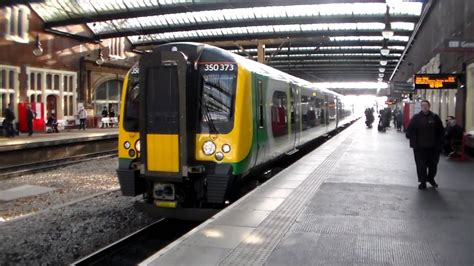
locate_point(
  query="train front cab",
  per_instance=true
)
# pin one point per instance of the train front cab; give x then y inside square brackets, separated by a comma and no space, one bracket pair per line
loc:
[188,159]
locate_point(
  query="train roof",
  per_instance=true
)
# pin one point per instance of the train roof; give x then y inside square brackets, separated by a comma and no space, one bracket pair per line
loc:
[266,70]
[260,68]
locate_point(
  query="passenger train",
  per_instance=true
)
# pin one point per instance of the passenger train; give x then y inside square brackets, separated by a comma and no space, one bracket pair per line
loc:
[197,119]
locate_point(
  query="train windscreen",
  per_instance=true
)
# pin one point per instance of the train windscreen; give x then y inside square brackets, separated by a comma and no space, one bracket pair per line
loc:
[217,102]
[132,102]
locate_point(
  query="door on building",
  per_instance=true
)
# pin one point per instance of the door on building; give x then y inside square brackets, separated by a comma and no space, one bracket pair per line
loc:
[51,105]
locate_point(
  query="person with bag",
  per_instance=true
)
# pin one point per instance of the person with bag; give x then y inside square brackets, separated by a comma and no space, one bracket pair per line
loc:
[426,133]
[8,122]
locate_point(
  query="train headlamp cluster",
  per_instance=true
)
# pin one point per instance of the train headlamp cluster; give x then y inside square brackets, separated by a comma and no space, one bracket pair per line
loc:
[209,148]
[132,152]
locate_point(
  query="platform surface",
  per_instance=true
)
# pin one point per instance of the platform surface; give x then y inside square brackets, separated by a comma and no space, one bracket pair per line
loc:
[353,201]
[62,136]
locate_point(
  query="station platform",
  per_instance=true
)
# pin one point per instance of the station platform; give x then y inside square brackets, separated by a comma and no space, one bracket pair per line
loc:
[63,137]
[353,201]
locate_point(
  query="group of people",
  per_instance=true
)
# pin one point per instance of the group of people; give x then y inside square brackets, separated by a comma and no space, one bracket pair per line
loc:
[9,121]
[385,117]
[428,137]
[107,117]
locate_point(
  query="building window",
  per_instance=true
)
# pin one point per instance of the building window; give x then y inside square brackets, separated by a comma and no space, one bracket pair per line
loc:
[108,95]
[8,88]
[117,48]
[55,88]
[17,23]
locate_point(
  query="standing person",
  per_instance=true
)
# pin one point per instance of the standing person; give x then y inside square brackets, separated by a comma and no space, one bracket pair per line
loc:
[82,114]
[30,115]
[426,132]
[399,119]
[453,133]
[8,122]
[105,114]
[111,117]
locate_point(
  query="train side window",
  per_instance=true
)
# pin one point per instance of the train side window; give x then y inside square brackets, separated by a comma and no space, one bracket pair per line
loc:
[260,104]
[279,113]
[309,112]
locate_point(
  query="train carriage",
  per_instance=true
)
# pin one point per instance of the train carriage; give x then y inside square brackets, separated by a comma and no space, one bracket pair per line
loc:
[197,119]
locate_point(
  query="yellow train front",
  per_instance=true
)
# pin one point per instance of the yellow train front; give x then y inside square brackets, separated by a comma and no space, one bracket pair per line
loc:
[196,119]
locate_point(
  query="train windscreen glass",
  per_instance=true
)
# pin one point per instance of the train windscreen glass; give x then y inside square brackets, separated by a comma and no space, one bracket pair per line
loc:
[132,102]
[217,101]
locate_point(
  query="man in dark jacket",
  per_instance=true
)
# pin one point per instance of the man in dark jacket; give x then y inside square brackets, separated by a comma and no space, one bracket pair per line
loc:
[426,133]
[30,115]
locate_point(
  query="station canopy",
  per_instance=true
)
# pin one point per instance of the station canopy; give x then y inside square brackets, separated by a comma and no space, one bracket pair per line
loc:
[325,40]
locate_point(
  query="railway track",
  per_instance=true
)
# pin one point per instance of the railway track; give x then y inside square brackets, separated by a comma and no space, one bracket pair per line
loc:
[139,245]
[36,167]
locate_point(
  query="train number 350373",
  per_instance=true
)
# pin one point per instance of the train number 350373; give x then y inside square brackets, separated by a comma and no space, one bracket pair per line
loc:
[219,67]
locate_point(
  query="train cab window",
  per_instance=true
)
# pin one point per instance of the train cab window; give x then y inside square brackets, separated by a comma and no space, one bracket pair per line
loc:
[217,102]
[279,114]
[132,103]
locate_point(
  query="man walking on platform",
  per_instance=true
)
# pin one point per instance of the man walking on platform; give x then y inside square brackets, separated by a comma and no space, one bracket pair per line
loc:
[426,133]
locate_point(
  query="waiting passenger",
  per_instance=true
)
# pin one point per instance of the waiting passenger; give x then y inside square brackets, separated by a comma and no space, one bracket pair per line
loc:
[105,115]
[453,134]
[426,133]
[111,117]
[53,123]
[82,114]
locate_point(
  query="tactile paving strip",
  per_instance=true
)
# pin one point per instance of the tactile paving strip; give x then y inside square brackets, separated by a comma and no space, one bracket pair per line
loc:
[268,234]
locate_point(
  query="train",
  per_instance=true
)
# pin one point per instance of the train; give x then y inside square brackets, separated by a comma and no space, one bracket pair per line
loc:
[196,120]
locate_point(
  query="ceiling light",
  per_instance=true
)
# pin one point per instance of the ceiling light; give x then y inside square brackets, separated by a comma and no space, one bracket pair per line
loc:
[381,75]
[381,69]
[380,79]
[383,62]
[384,51]
[37,51]
[387,32]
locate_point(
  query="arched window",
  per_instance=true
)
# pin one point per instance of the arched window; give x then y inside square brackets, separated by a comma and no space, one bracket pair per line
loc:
[108,95]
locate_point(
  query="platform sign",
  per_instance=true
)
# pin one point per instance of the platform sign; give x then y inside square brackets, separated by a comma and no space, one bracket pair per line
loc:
[436,81]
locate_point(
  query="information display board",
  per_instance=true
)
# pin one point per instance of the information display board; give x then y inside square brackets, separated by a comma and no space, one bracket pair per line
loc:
[436,81]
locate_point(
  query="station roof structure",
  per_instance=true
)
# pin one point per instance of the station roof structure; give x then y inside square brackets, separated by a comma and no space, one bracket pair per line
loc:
[318,40]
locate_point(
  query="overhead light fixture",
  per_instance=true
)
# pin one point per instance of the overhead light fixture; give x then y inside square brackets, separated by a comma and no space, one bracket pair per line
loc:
[37,51]
[381,69]
[384,51]
[387,32]
[381,75]
[383,62]
[100,58]
[380,79]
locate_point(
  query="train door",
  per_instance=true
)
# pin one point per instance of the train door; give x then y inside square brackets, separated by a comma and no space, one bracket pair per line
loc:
[260,121]
[163,115]
[295,116]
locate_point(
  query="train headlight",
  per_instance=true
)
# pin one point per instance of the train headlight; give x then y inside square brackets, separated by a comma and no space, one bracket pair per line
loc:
[226,148]
[131,153]
[137,145]
[219,156]
[209,147]
[126,145]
